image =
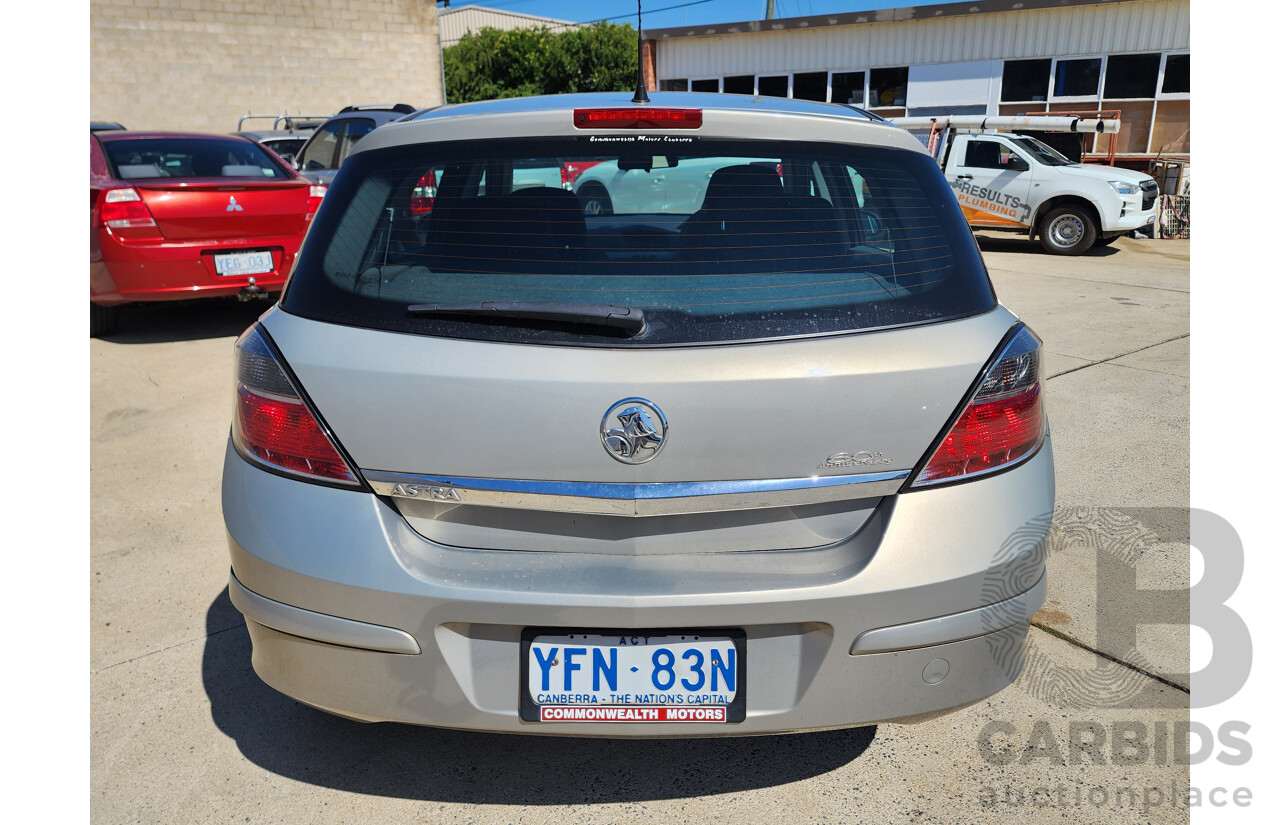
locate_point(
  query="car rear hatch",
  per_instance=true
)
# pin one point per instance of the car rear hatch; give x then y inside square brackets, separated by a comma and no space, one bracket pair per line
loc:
[207,210]
[796,344]
[768,446]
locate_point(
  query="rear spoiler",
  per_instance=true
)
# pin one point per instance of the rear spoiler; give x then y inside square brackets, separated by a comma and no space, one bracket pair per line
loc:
[402,108]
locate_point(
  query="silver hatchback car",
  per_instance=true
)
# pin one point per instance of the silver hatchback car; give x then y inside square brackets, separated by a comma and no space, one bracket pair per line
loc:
[775,461]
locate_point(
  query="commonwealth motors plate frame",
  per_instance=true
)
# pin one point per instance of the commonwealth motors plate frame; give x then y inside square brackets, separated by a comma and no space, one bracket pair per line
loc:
[736,710]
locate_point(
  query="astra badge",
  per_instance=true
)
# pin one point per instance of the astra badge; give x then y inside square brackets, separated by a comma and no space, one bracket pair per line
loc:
[633,431]
[448,494]
[859,459]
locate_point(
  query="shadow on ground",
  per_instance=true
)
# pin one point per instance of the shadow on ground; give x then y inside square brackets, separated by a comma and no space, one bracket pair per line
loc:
[406,761]
[1019,244]
[162,321]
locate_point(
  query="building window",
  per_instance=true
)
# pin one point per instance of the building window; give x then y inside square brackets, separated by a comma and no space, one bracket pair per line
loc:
[711,84]
[1135,125]
[772,86]
[889,87]
[1172,130]
[743,84]
[679,85]
[848,87]
[1077,78]
[1177,74]
[1025,80]
[1132,75]
[1171,127]
[809,86]
[1067,143]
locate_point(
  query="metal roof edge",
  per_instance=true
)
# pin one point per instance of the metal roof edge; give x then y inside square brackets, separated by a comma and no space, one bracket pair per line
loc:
[505,13]
[903,14]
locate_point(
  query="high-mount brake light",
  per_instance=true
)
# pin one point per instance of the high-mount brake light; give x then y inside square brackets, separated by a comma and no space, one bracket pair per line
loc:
[637,117]
[314,197]
[1003,423]
[273,425]
[123,211]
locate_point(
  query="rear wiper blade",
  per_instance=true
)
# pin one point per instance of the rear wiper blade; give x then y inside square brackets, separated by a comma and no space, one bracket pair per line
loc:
[628,319]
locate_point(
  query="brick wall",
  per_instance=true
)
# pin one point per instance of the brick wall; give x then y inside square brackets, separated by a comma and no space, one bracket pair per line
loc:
[201,65]
[648,57]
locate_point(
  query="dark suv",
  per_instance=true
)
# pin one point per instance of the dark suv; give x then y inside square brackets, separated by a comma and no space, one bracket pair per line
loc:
[320,158]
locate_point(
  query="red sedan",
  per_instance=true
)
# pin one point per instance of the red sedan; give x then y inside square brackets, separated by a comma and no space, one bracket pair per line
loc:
[176,216]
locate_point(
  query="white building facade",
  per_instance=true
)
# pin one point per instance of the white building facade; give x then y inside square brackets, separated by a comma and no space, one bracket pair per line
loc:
[983,57]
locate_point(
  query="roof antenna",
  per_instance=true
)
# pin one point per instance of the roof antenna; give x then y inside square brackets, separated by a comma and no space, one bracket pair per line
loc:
[642,95]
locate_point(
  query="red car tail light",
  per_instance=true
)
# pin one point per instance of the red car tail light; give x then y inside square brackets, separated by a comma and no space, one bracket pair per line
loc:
[123,212]
[314,197]
[637,117]
[571,170]
[424,195]
[274,425]
[1002,424]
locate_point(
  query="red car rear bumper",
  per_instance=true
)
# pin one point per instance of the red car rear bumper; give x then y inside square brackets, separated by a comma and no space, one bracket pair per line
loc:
[160,270]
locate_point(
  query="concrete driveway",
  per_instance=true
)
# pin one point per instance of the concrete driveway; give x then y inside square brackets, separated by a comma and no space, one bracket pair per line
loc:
[183,731]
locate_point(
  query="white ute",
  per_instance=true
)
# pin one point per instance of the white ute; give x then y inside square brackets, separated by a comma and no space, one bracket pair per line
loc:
[1017,183]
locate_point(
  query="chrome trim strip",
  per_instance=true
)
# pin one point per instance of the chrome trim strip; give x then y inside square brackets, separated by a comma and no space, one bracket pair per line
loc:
[320,627]
[648,499]
[957,627]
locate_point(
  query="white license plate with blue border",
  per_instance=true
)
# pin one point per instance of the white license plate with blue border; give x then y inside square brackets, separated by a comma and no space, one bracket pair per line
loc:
[243,263]
[633,676]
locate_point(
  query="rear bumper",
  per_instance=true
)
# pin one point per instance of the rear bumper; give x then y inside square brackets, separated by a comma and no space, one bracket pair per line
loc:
[179,270]
[337,592]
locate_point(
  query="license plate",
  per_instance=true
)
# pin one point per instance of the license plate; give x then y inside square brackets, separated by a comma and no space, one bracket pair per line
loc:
[633,676]
[243,263]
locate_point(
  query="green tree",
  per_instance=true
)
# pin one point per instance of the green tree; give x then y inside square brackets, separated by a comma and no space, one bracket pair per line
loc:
[492,63]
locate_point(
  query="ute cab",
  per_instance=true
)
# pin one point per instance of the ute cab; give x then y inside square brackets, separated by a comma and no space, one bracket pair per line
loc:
[760,454]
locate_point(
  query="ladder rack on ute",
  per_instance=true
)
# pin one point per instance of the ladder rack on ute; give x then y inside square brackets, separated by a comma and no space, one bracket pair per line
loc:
[292,123]
[943,128]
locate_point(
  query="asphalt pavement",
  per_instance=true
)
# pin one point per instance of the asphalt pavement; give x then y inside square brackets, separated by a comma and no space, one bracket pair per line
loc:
[183,731]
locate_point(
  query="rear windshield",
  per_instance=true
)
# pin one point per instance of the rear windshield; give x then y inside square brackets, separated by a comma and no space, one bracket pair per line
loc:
[711,240]
[285,146]
[190,158]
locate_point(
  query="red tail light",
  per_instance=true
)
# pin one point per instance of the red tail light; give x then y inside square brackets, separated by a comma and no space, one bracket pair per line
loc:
[637,117]
[124,214]
[424,194]
[314,197]
[273,424]
[571,171]
[1003,423]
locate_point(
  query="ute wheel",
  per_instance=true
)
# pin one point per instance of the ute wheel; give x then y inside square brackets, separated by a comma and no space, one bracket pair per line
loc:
[595,200]
[103,320]
[1067,230]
